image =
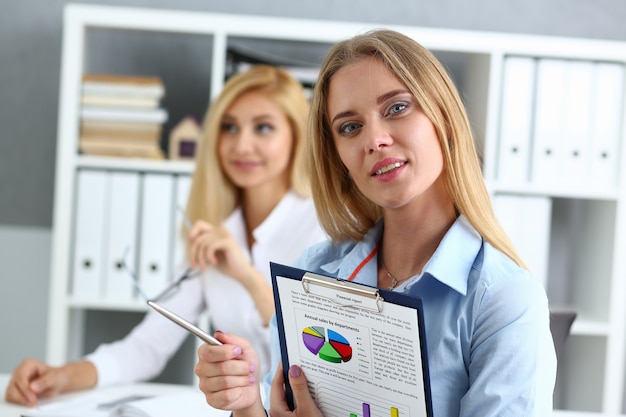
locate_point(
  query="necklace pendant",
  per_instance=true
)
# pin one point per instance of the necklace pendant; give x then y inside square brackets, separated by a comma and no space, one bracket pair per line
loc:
[394,282]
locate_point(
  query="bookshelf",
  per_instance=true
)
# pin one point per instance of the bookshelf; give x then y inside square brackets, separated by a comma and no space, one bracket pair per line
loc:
[580,225]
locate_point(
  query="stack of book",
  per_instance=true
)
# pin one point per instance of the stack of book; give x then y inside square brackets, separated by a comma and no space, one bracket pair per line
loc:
[121,116]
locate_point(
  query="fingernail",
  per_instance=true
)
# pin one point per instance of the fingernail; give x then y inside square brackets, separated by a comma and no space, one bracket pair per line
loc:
[294,370]
[34,386]
[252,379]
[252,369]
[237,351]
[219,331]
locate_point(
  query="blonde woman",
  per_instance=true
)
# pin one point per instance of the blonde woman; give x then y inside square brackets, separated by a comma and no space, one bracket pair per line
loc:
[250,204]
[398,187]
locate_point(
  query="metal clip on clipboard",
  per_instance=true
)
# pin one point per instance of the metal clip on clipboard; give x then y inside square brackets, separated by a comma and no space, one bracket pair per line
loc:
[332,289]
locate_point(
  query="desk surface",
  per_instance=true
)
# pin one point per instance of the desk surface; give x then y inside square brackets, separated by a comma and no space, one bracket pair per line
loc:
[11,410]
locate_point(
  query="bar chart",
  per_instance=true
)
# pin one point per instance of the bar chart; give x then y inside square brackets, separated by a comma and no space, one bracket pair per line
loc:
[341,401]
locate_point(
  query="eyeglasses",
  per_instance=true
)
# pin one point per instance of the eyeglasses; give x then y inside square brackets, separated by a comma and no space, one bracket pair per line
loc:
[173,287]
[168,291]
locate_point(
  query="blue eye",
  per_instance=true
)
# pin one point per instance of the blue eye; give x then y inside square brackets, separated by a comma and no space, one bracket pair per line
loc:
[264,128]
[348,128]
[228,128]
[397,108]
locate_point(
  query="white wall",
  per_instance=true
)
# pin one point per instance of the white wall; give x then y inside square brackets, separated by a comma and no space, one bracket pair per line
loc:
[24,265]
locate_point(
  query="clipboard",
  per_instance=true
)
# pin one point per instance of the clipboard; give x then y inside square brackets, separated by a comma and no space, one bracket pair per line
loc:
[362,349]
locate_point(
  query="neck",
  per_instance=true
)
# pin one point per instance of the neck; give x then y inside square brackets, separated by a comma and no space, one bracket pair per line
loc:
[257,206]
[409,239]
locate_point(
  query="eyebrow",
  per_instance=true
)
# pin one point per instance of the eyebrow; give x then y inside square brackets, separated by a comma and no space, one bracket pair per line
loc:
[390,94]
[258,118]
[379,100]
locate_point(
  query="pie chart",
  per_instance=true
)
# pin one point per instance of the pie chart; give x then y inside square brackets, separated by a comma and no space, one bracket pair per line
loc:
[327,344]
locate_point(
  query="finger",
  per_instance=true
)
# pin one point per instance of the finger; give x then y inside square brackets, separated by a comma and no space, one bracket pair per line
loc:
[301,394]
[278,399]
[48,384]
[201,246]
[20,394]
[195,251]
[211,353]
[198,249]
[225,382]
[210,255]
[199,228]
[21,379]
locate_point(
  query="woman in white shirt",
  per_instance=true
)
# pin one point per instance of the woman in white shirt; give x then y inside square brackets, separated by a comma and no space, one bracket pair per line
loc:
[249,204]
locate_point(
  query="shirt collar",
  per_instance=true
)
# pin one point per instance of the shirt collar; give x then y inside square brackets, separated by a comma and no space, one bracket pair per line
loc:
[455,256]
[274,224]
[462,242]
[271,226]
[354,254]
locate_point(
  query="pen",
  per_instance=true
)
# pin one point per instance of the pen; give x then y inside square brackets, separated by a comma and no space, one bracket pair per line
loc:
[185,324]
[186,219]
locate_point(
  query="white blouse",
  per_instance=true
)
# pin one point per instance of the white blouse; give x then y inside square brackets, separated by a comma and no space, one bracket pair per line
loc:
[290,228]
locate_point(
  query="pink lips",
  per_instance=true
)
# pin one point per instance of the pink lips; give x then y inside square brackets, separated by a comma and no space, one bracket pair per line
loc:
[245,165]
[387,169]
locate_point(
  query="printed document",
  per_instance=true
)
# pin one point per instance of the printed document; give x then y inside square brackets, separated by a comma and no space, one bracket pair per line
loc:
[363,355]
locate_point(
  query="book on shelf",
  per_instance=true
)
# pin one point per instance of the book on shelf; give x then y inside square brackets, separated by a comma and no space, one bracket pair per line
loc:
[148,150]
[118,101]
[120,126]
[118,142]
[118,136]
[121,114]
[123,85]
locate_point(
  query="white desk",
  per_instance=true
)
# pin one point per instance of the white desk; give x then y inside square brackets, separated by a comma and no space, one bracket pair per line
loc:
[10,410]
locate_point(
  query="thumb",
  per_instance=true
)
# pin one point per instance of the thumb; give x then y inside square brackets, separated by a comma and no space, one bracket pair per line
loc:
[46,385]
[300,388]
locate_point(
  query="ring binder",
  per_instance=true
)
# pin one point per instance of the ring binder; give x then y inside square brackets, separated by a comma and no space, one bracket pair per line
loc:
[345,286]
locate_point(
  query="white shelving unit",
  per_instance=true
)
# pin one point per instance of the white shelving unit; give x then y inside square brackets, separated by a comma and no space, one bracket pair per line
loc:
[585,225]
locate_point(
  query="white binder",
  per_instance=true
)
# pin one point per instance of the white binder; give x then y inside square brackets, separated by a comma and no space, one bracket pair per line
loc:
[156,232]
[183,184]
[527,221]
[607,110]
[575,142]
[87,270]
[516,119]
[549,121]
[123,193]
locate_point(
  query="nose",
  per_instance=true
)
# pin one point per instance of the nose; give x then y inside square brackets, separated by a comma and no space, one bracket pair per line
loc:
[376,136]
[244,141]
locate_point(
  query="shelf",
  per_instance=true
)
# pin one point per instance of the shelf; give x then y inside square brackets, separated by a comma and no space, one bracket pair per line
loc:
[583,327]
[131,306]
[556,191]
[135,164]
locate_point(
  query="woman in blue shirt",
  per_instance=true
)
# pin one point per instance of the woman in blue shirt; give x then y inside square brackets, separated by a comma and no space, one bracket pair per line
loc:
[398,187]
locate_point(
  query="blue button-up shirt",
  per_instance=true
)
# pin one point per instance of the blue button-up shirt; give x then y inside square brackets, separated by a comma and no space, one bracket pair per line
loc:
[490,350]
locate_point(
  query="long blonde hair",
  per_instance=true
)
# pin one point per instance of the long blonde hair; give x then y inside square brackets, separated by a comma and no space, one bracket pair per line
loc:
[213,197]
[344,212]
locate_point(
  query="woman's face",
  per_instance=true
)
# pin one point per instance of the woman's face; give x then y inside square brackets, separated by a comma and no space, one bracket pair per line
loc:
[382,135]
[255,143]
